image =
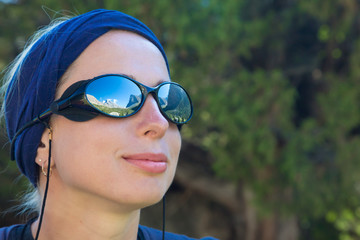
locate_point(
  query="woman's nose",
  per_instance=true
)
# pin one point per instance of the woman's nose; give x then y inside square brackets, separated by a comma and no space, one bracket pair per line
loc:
[151,122]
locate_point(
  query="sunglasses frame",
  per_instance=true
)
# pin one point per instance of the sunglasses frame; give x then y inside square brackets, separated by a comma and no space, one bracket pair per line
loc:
[75,97]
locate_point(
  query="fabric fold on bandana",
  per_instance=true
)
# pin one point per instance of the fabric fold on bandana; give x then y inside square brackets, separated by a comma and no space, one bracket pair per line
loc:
[33,87]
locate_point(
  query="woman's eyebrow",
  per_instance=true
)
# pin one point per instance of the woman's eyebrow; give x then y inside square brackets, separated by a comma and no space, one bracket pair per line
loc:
[133,77]
[129,76]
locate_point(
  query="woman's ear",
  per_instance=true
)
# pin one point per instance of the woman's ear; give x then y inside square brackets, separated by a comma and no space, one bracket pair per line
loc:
[42,153]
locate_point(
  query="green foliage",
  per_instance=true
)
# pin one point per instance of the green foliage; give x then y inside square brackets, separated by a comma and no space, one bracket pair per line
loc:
[347,222]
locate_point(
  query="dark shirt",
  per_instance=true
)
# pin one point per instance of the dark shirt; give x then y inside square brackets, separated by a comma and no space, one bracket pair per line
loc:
[23,232]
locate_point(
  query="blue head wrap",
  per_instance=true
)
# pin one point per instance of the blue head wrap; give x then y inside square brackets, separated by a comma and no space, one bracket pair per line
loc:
[33,87]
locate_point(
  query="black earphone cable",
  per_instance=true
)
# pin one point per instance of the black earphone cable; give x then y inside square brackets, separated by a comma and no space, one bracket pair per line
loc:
[163,218]
[46,186]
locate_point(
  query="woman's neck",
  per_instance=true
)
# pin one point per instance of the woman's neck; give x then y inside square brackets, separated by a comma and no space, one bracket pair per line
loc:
[93,218]
[86,228]
[69,228]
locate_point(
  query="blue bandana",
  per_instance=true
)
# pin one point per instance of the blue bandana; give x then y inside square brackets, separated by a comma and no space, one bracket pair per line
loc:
[33,87]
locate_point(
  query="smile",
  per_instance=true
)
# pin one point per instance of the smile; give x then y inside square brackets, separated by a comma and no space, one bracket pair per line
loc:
[149,162]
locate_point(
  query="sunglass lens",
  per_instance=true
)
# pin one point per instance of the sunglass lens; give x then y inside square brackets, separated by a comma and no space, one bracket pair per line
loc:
[114,96]
[175,103]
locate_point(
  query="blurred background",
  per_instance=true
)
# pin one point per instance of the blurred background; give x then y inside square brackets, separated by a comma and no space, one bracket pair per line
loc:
[273,150]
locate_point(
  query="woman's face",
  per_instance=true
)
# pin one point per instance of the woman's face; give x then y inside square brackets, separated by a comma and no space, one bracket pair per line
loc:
[129,161]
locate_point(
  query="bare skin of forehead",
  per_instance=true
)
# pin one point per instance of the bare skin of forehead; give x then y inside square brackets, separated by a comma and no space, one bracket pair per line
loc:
[128,35]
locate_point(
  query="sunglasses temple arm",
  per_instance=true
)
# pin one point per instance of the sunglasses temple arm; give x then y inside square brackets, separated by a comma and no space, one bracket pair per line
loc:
[36,120]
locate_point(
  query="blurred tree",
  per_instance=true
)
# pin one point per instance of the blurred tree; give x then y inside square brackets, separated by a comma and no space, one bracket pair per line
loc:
[275,86]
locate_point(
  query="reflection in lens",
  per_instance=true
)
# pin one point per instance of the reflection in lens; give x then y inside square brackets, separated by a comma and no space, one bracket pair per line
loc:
[175,103]
[114,95]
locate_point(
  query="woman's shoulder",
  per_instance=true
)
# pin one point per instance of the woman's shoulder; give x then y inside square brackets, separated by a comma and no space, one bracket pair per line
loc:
[5,232]
[154,234]
[16,232]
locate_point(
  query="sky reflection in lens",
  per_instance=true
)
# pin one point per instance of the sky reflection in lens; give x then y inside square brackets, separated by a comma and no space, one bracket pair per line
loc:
[174,102]
[121,97]
[114,93]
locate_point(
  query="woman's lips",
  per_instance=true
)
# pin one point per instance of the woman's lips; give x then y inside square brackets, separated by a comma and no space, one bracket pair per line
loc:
[150,162]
